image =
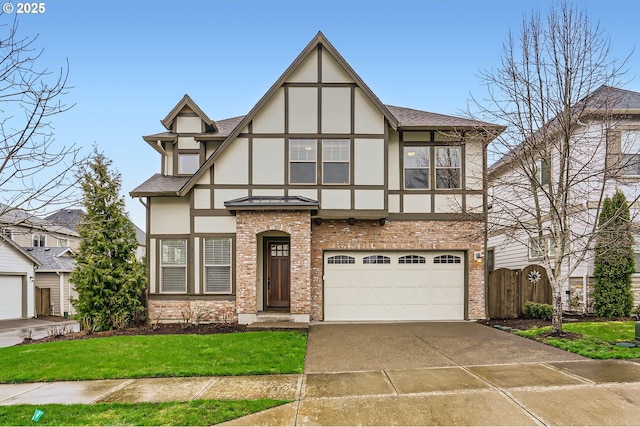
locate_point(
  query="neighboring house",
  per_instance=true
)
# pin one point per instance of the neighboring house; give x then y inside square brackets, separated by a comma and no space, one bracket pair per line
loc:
[28,230]
[16,281]
[53,291]
[610,141]
[321,203]
[71,219]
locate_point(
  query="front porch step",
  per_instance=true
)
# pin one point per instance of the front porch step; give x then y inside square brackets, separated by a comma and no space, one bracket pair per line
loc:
[275,320]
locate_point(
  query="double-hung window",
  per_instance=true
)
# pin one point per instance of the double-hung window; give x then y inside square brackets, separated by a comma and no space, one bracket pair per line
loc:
[173,265]
[39,240]
[448,165]
[416,167]
[335,161]
[188,163]
[541,246]
[630,152]
[217,266]
[302,161]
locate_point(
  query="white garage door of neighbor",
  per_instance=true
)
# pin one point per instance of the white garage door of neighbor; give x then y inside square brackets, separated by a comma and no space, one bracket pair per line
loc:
[370,286]
[10,297]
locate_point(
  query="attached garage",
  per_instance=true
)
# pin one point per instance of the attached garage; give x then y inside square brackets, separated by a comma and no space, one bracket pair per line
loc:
[11,297]
[386,286]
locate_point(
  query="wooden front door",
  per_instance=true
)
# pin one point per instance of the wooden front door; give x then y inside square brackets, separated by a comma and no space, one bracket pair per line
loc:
[43,301]
[278,280]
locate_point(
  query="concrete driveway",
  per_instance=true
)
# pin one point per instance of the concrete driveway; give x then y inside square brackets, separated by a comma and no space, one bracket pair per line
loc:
[13,332]
[391,346]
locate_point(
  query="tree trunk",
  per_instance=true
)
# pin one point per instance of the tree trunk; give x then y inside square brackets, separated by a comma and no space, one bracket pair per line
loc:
[556,320]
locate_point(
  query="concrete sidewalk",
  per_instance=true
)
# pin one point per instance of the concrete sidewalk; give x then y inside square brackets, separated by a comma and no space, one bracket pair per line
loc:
[572,392]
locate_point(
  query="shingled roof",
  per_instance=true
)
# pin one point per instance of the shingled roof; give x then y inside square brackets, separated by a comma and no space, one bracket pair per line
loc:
[408,118]
[160,185]
[52,259]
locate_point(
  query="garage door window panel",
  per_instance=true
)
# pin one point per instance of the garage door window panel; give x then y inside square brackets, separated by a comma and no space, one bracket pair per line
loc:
[447,259]
[341,259]
[376,259]
[412,259]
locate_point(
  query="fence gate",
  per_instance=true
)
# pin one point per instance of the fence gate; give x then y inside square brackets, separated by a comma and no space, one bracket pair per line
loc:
[504,298]
[510,290]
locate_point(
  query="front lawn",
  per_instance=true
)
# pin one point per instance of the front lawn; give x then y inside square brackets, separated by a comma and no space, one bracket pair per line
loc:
[193,413]
[595,340]
[249,353]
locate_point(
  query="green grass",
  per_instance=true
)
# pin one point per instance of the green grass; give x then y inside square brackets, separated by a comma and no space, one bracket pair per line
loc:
[250,353]
[597,341]
[193,413]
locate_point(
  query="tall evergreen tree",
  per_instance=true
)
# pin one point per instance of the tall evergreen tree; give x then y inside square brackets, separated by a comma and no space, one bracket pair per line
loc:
[614,259]
[109,280]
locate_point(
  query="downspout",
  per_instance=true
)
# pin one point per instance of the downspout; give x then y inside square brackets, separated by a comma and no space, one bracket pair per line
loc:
[61,275]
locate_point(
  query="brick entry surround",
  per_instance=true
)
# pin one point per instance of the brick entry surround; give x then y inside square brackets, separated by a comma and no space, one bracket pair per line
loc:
[249,224]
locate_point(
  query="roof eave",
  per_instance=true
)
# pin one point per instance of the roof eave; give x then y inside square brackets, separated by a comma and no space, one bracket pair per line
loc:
[187,101]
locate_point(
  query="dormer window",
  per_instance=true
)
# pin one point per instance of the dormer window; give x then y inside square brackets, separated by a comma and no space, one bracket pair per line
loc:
[39,240]
[188,163]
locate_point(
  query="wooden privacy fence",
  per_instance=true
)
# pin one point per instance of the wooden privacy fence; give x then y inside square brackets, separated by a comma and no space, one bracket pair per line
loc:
[510,290]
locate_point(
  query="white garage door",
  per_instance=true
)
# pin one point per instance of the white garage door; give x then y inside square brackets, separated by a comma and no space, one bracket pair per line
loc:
[10,297]
[393,286]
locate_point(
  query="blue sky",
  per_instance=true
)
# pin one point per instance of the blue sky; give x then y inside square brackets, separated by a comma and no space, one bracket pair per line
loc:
[131,61]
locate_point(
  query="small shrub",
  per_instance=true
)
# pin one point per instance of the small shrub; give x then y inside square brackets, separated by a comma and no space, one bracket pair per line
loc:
[26,334]
[538,311]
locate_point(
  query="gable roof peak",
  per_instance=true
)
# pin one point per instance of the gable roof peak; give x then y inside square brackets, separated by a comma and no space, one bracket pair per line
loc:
[186,101]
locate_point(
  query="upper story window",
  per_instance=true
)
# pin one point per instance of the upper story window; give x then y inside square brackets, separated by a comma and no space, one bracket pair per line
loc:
[335,161]
[188,163]
[630,152]
[416,167]
[542,172]
[173,265]
[448,165]
[7,233]
[39,240]
[63,243]
[302,161]
[539,247]
[217,265]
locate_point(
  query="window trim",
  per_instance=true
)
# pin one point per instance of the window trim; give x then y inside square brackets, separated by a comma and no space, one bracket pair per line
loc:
[436,168]
[624,155]
[427,168]
[205,265]
[348,161]
[180,155]
[161,266]
[314,143]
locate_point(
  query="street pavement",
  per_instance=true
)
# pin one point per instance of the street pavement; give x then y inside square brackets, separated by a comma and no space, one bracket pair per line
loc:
[454,384]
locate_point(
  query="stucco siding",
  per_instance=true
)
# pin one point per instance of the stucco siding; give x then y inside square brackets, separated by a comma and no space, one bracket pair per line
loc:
[416,203]
[307,72]
[221,196]
[233,165]
[336,199]
[473,165]
[268,161]
[271,117]
[393,161]
[449,203]
[202,198]
[332,72]
[214,224]
[368,119]
[369,199]
[188,143]
[303,110]
[369,162]
[336,110]
[169,215]
[188,124]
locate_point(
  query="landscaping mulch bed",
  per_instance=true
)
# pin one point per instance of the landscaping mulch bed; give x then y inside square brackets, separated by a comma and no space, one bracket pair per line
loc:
[159,329]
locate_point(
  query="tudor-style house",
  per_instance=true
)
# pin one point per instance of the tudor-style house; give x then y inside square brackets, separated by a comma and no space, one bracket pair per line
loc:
[605,158]
[321,203]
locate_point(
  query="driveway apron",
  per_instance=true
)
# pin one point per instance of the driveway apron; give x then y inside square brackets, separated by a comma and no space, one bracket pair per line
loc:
[353,347]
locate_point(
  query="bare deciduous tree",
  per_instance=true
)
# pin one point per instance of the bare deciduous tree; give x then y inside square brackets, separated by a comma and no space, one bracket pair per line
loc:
[555,92]
[36,173]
